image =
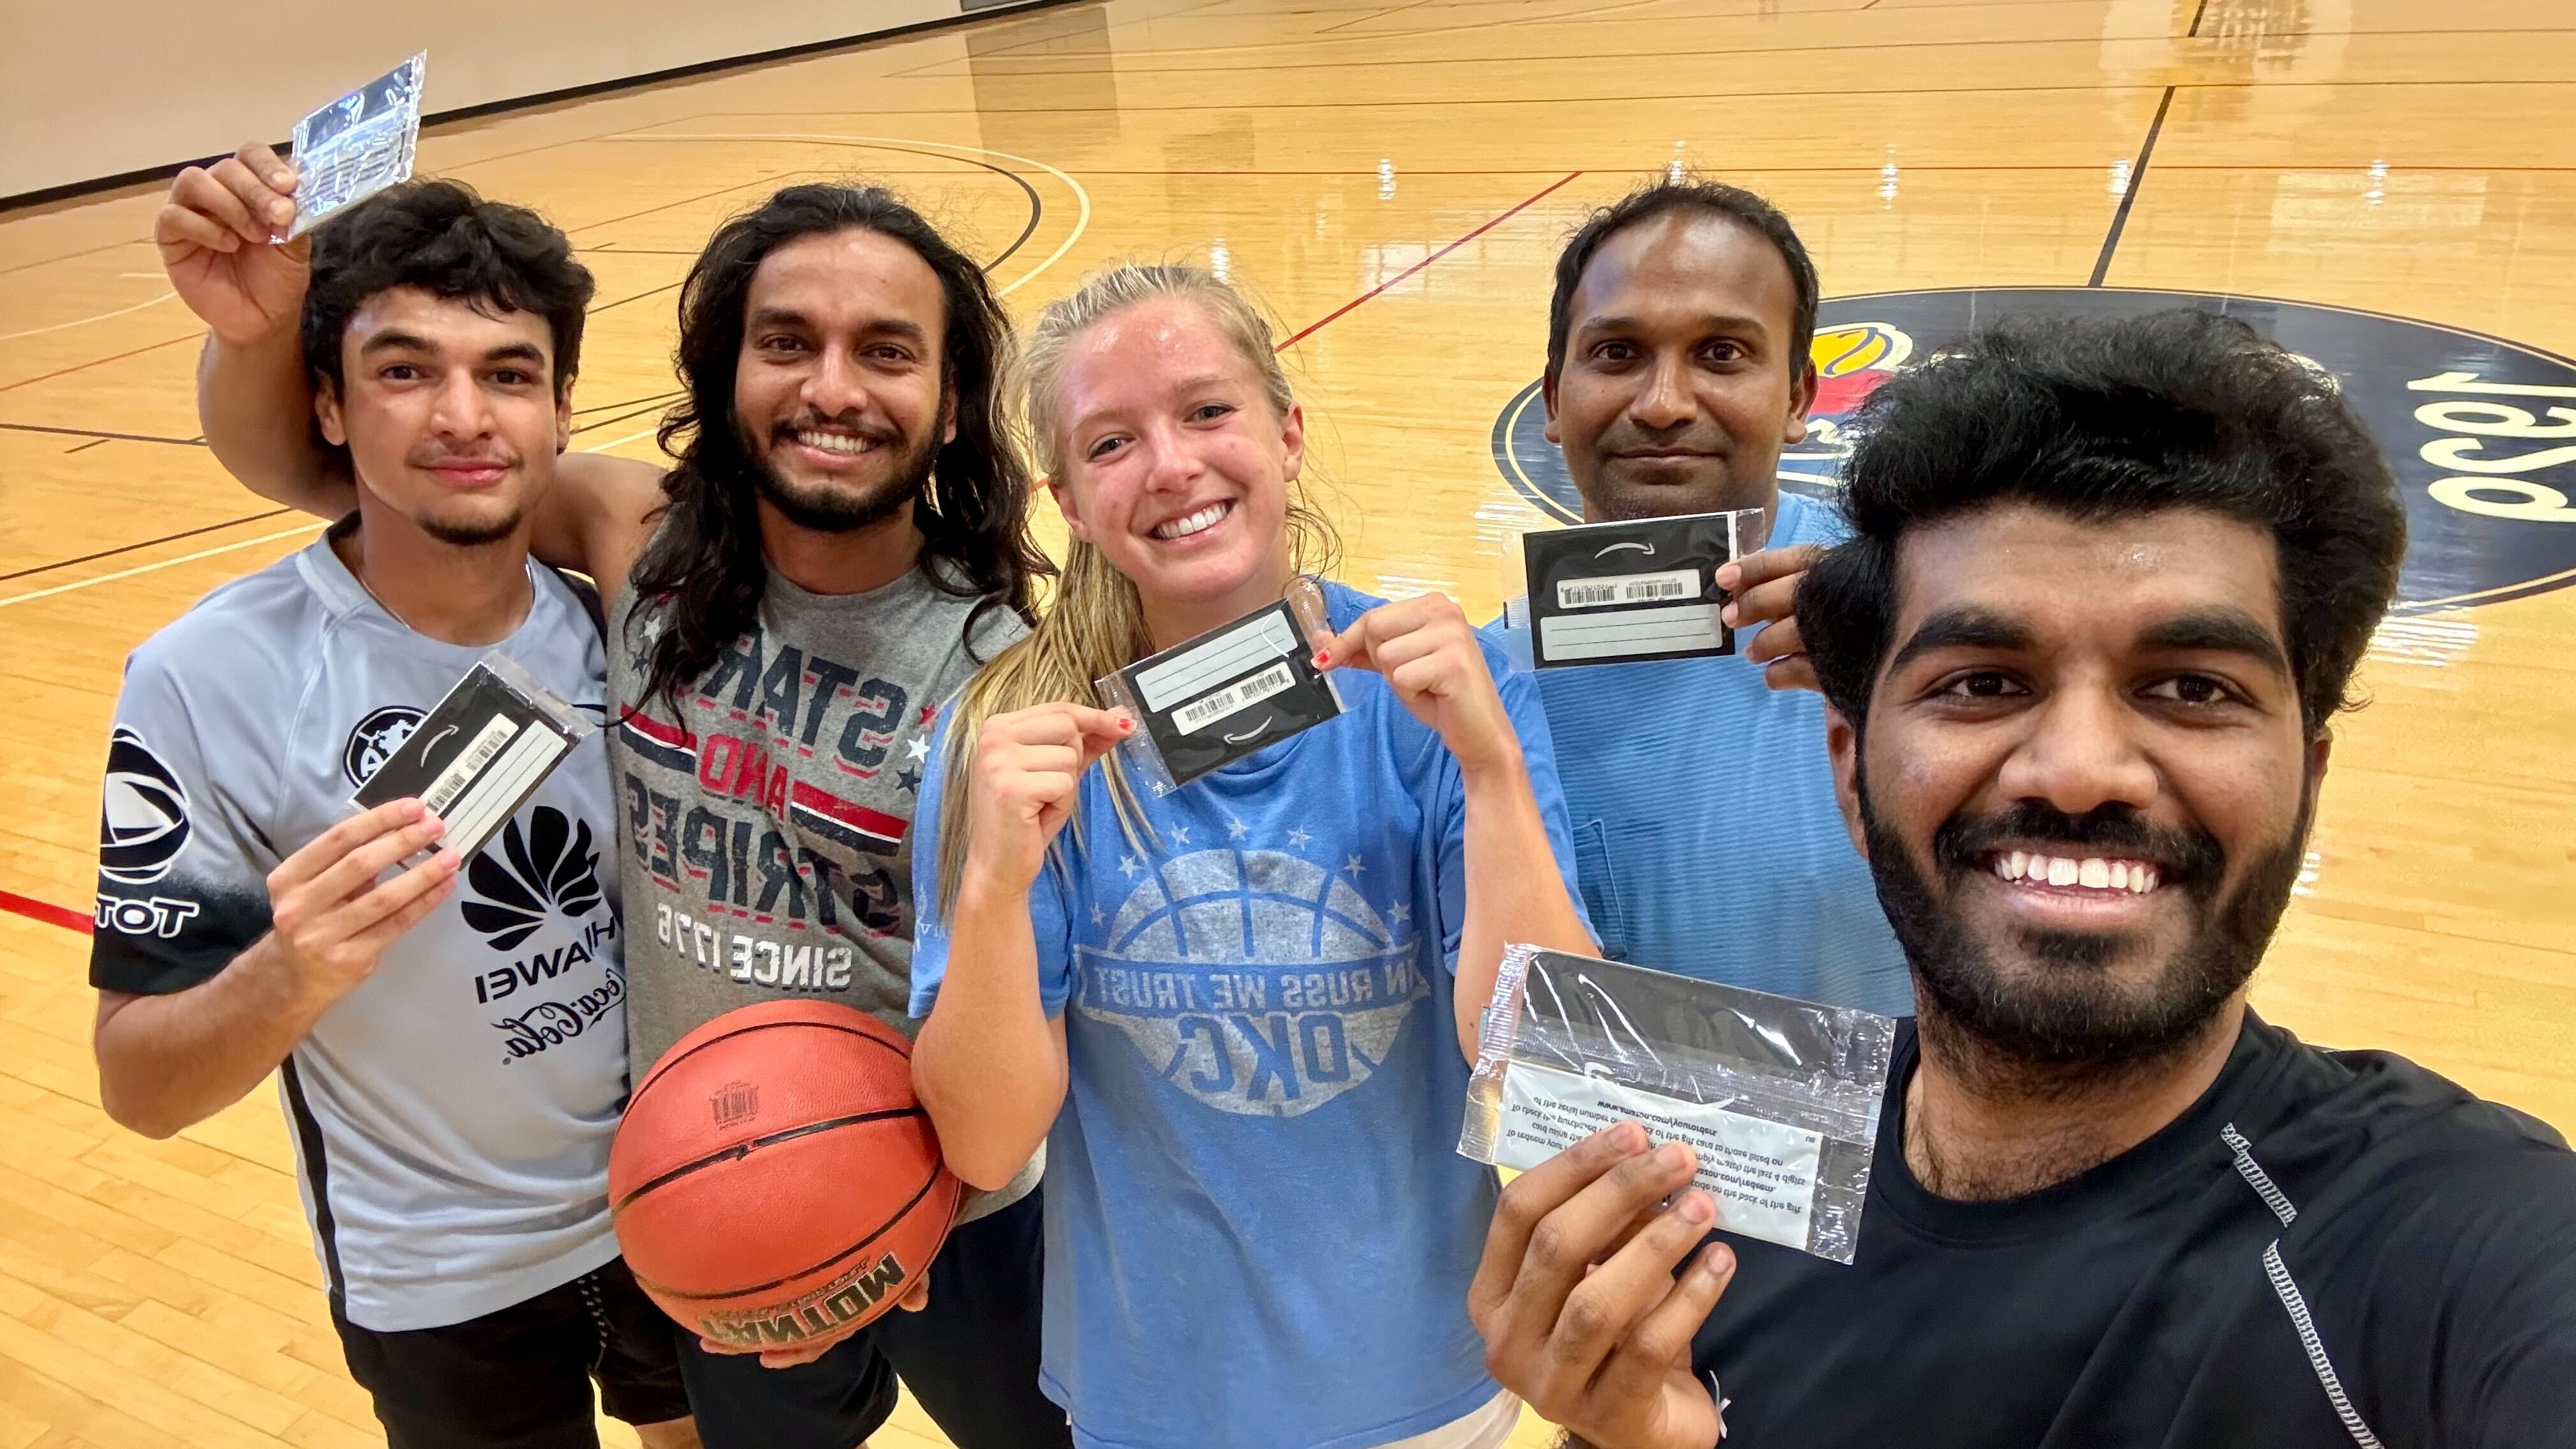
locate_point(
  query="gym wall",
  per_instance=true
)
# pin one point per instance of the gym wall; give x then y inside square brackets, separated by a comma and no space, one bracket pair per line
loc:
[108,87]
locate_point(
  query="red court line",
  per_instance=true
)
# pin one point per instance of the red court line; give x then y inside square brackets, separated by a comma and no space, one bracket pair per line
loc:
[1525,204]
[45,911]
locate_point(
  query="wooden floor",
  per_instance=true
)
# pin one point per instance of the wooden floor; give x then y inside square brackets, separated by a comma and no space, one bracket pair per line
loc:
[1393,179]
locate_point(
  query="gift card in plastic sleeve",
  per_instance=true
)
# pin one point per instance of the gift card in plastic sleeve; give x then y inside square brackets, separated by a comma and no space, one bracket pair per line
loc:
[1778,1098]
[478,756]
[358,145]
[1234,690]
[1612,593]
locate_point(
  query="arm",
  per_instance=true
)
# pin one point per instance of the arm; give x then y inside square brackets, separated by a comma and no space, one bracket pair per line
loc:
[1515,887]
[255,395]
[990,1064]
[166,1062]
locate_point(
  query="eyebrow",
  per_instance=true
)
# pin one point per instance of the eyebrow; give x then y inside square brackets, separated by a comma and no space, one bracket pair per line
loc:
[790,317]
[1962,628]
[1712,321]
[2216,631]
[396,342]
[517,352]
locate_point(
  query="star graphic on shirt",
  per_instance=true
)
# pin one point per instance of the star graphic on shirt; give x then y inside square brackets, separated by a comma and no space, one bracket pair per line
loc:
[1098,915]
[929,712]
[917,748]
[1399,914]
[1130,866]
[1161,789]
[1236,829]
[1354,865]
[1181,833]
[909,781]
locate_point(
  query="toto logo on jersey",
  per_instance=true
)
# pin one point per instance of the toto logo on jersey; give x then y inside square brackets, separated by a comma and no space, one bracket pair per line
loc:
[2480,432]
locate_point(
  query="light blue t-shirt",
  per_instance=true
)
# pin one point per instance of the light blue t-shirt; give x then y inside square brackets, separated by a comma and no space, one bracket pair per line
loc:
[1705,826]
[1259,1232]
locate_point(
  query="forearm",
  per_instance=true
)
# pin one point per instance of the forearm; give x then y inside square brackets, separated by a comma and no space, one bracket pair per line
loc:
[255,402]
[990,1064]
[1515,891]
[168,1062]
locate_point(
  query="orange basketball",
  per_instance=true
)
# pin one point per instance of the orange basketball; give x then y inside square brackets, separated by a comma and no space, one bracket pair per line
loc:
[775,1183]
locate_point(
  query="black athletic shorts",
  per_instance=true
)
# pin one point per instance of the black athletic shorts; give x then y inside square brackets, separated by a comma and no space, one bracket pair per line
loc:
[520,1378]
[971,1358]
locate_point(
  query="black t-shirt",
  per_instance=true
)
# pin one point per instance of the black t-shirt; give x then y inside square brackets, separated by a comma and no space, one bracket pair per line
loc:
[2328,1249]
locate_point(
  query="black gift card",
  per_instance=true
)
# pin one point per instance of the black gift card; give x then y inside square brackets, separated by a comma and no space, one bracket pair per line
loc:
[1230,691]
[1612,593]
[477,757]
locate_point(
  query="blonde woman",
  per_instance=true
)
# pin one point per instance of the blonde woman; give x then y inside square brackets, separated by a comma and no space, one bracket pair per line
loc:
[1239,1013]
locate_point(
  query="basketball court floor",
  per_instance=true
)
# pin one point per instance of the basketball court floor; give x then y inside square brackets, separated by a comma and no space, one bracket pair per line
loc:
[1393,179]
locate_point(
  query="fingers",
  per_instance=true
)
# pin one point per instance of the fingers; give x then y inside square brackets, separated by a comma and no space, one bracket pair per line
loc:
[1613,1297]
[176,230]
[350,878]
[1567,1242]
[201,191]
[268,165]
[1794,672]
[377,916]
[1528,1201]
[1742,575]
[711,1346]
[1394,634]
[270,206]
[919,1298]
[787,1358]
[1660,1340]
[334,844]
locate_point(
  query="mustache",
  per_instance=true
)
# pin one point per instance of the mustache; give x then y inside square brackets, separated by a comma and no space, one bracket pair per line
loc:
[441,457]
[873,432]
[2188,857]
[1626,437]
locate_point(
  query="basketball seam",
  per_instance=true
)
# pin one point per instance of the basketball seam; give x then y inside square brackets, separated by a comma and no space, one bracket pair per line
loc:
[899,1214]
[741,1150]
[671,1060]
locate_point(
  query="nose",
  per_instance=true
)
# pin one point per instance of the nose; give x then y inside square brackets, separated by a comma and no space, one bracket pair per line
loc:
[1665,401]
[835,385]
[1171,464]
[461,412]
[2081,753]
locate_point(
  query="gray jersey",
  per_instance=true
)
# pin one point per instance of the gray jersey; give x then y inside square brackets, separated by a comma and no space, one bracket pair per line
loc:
[768,848]
[452,1114]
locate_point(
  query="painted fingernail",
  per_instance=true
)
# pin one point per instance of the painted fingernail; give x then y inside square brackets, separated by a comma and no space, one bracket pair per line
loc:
[1697,1208]
[1323,657]
[1126,724]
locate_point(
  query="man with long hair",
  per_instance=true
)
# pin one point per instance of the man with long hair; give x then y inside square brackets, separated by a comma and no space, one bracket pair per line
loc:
[840,544]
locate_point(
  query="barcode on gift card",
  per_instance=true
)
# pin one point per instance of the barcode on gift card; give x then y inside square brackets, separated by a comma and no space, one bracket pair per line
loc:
[1656,588]
[1199,713]
[451,782]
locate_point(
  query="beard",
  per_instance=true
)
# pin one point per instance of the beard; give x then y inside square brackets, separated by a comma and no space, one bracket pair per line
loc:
[471,532]
[828,510]
[2064,1016]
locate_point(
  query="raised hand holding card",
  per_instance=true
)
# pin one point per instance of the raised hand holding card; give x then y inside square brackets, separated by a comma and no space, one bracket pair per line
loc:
[1235,689]
[1610,593]
[358,145]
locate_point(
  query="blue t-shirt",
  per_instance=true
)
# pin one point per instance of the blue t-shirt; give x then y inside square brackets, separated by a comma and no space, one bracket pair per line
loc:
[1259,1232]
[1705,825]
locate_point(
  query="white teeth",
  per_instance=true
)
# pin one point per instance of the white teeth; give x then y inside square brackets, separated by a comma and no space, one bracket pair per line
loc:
[2119,875]
[1200,521]
[835,442]
[2018,862]
[2094,874]
[2062,871]
[2142,879]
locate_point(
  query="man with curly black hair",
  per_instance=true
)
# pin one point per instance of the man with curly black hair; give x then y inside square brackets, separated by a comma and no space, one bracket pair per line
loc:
[449,1039]
[2106,588]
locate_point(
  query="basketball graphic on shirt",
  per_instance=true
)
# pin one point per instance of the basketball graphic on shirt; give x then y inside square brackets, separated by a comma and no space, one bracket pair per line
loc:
[1255,981]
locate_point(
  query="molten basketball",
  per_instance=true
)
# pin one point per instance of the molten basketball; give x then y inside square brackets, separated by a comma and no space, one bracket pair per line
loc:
[775,1183]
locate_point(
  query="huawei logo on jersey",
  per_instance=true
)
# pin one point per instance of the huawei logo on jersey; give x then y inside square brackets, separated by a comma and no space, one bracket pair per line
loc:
[520,878]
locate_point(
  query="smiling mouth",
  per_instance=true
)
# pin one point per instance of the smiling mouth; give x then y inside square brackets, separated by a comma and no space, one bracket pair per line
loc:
[2108,875]
[1190,523]
[847,444]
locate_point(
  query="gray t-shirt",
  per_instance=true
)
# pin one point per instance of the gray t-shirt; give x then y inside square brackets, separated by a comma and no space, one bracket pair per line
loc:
[452,1114]
[768,841]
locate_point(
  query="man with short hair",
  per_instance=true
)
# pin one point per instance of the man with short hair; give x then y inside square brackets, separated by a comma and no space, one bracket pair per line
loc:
[1706,835]
[842,542]
[452,1061]
[2107,587]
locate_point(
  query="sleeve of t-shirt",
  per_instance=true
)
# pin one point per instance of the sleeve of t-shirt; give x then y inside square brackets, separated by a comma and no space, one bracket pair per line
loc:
[1519,690]
[182,867]
[2505,1344]
[1047,912]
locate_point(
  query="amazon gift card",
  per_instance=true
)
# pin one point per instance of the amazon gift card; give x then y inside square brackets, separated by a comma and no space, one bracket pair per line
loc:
[477,757]
[1616,593]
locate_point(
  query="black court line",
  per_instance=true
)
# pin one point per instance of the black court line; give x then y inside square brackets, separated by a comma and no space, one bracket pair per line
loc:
[2195,18]
[85,447]
[2129,197]
[147,543]
[103,435]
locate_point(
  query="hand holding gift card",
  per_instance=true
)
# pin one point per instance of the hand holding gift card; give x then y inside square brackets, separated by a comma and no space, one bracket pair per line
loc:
[1611,593]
